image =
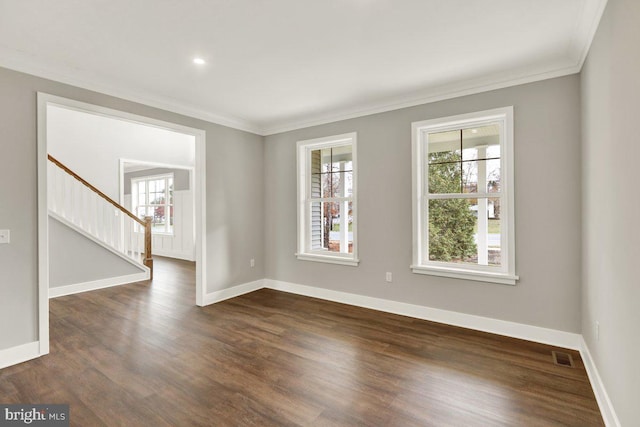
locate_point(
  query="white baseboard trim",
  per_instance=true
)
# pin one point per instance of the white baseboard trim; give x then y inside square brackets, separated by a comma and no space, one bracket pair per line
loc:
[98,284]
[606,407]
[186,256]
[495,326]
[233,292]
[19,354]
[485,324]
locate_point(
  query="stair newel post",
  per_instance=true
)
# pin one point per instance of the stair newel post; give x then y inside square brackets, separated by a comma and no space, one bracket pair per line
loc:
[148,259]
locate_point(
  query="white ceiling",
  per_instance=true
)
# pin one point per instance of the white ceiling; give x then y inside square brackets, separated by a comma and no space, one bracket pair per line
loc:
[275,65]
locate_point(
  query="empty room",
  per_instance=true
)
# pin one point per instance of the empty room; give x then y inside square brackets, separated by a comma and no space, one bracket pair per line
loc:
[319,213]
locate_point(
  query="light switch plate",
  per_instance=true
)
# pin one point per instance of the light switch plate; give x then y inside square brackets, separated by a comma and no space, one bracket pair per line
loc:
[4,236]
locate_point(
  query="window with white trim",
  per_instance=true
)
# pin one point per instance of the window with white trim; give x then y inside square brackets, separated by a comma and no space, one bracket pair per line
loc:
[327,199]
[153,196]
[463,223]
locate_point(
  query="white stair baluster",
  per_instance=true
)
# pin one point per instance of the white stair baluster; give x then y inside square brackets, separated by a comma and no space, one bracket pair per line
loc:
[74,201]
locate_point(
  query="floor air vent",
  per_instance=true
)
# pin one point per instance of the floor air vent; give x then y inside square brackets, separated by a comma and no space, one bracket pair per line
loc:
[562,359]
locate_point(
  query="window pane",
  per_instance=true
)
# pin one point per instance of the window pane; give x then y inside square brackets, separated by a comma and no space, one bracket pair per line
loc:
[471,171]
[342,184]
[470,154]
[487,232]
[441,143]
[445,178]
[493,176]
[325,159]
[493,151]
[465,231]
[143,211]
[340,239]
[325,226]
[341,158]
[482,136]
[451,230]
[331,221]
[470,176]
[327,185]
[317,226]
[494,242]
[159,219]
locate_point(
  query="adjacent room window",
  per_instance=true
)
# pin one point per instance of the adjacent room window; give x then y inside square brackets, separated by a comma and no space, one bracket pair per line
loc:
[153,196]
[463,197]
[327,199]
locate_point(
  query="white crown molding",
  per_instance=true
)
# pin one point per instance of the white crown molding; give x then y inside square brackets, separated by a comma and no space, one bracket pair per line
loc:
[24,63]
[586,30]
[578,50]
[10,60]
[428,96]
[602,397]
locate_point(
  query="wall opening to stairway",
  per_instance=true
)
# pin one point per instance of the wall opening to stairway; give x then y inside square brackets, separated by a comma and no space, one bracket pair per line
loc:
[108,148]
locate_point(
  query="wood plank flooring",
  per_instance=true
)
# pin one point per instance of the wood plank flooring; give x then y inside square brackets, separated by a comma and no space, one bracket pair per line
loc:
[145,355]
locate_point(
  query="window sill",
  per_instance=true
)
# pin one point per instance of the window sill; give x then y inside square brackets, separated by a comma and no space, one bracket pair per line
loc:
[328,259]
[481,276]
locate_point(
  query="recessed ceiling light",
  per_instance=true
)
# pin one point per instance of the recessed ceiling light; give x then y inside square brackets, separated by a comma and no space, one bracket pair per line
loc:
[199,61]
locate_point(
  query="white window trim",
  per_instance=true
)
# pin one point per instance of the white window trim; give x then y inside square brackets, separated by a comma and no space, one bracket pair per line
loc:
[303,166]
[134,208]
[504,275]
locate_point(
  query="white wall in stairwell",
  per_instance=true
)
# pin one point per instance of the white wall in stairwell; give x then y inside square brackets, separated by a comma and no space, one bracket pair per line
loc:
[74,259]
[93,145]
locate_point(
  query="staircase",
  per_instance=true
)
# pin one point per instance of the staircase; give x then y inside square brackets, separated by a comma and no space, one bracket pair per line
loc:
[81,206]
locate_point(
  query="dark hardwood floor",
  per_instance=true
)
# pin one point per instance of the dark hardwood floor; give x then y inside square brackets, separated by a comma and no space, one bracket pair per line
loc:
[145,355]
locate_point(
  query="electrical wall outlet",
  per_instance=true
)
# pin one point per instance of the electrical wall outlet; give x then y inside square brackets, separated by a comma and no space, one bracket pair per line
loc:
[252,262]
[597,331]
[389,277]
[5,236]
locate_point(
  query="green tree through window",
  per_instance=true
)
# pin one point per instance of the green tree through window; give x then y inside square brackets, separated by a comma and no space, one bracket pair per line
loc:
[451,222]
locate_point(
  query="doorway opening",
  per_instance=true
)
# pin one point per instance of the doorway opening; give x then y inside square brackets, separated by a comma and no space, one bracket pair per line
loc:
[163,192]
[116,149]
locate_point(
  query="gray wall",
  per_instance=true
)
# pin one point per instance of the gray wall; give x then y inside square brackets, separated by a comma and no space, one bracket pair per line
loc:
[547,209]
[611,204]
[234,202]
[75,259]
[181,179]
